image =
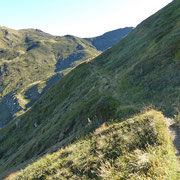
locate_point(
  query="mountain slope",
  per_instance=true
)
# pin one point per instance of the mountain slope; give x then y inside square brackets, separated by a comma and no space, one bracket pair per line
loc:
[141,70]
[29,59]
[108,39]
[139,148]
[31,62]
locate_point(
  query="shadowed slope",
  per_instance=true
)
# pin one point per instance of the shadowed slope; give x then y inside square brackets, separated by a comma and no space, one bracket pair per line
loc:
[108,39]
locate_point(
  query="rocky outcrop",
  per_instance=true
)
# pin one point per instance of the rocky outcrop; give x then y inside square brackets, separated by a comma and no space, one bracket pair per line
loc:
[9,106]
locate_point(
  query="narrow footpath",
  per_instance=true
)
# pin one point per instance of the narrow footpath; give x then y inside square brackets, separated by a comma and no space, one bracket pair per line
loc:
[175,134]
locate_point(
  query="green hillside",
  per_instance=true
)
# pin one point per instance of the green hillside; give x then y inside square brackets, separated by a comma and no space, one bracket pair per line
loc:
[138,148]
[142,70]
[32,61]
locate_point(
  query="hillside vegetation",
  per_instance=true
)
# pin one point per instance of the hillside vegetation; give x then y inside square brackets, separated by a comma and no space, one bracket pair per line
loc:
[32,61]
[142,70]
[138,148]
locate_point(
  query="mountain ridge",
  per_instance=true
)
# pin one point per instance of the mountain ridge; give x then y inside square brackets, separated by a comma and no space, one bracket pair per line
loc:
[108,39]
[112,151]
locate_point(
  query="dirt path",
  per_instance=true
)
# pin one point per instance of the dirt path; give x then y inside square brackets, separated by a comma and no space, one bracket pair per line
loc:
[175,133]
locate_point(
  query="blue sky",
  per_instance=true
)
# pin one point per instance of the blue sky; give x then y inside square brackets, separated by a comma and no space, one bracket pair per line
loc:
[83,18]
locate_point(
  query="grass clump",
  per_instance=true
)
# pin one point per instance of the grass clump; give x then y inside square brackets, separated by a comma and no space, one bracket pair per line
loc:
[138,148]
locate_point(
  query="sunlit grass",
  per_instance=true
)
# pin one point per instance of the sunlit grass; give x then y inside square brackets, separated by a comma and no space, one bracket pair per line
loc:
[138,148]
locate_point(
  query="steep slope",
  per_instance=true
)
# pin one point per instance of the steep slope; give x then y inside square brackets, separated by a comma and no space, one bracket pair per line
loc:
[141,70]
[108,39]
[139,148]
[31,62]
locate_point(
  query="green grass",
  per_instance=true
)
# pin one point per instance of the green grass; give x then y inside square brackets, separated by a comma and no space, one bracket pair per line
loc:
[140,71]
[138,148]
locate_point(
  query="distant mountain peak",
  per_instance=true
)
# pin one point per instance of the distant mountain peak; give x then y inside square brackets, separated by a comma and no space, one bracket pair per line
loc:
[110,38]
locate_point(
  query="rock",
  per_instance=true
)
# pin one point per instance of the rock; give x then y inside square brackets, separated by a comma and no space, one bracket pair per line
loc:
[35,125]
[17,122]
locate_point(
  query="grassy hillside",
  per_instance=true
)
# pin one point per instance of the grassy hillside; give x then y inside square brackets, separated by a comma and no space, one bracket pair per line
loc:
[138,148]
[108,39]
[32,61]
[142,70]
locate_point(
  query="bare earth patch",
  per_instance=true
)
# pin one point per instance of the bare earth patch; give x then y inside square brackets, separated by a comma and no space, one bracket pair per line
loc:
[175,134]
